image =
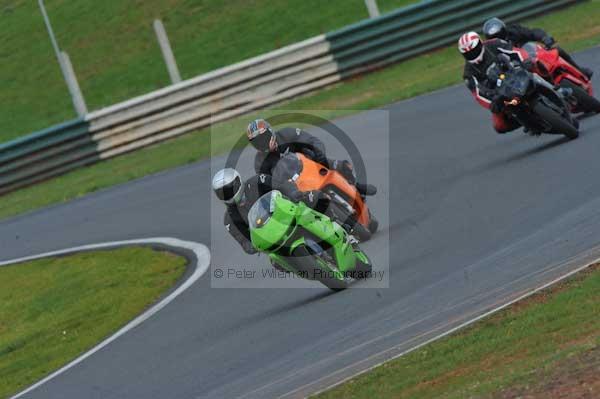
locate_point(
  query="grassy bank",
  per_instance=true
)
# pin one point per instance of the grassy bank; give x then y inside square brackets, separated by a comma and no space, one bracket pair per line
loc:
[547,346]
[115,54]
[54,309]
[575,28]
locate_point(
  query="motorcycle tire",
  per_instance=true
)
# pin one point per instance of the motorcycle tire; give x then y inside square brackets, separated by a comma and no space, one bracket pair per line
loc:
[332,283]
[360,232]
[305,264]
[348,222]
[586,102]
[558,122]
[373,223]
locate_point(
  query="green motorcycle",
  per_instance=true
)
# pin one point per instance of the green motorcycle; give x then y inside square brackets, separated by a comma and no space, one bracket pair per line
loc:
[305,242]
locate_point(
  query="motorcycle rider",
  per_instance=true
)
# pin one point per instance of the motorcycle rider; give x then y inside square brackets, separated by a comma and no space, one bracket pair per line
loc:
[518,35]
[283,180]
[239,196]
[479,57]
[272,145]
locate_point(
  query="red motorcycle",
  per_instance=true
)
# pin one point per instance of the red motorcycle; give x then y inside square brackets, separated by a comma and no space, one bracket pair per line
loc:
[552,67]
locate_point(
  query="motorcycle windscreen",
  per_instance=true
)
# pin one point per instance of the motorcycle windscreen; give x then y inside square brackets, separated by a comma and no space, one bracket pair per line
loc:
[262,210]
[516,84]
[270,220]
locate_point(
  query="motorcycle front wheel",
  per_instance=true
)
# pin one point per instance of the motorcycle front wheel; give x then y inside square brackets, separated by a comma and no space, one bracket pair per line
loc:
[557,122]
[309,260]
[329,280]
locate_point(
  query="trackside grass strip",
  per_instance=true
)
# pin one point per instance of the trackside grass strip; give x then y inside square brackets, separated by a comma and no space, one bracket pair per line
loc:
[546,346]
[115,54]
[52,310]
[575,28]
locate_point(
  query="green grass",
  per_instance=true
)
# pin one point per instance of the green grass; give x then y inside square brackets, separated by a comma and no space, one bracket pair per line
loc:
[575,28]
[52,310]
[115,55]
[509,350]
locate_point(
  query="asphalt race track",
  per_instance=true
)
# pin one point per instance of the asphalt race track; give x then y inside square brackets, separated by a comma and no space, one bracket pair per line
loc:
[475,219]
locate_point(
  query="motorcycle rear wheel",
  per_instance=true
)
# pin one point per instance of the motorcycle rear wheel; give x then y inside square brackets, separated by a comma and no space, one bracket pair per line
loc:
[349,222]
[586,102]
[360,232]
[373,223]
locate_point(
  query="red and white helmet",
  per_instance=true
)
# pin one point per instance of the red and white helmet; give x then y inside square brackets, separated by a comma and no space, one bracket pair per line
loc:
[471,47]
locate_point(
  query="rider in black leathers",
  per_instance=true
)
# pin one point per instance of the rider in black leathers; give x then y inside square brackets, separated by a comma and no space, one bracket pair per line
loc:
[239,197]
[291,140]
[479,57]
[518,35]
[283,180]
[272,145]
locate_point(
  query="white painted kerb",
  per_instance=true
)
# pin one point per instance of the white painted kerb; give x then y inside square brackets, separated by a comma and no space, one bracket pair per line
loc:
[200,251]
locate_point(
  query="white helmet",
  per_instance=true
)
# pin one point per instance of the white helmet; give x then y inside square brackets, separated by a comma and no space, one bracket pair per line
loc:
[227,185]
[471,47]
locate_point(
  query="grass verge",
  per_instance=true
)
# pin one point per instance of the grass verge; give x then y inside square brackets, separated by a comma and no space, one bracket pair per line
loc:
[546,346]
[116,56]
[54,309]
[575,28]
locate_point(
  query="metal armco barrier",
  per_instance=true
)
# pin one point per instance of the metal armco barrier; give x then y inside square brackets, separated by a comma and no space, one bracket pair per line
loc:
[249,85]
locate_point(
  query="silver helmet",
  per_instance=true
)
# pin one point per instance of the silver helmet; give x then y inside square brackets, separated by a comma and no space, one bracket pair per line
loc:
[227,185]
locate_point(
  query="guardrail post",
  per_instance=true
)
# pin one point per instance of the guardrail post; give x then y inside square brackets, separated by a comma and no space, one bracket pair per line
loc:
[65,67]
[165,48]
[372,7]
[76,95]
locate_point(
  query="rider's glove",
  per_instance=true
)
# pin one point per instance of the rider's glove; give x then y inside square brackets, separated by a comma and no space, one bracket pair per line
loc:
[548,42]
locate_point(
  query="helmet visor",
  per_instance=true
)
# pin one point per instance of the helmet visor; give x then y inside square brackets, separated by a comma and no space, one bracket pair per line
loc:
[494,28]
[474,53]
[228,191]
[261,141]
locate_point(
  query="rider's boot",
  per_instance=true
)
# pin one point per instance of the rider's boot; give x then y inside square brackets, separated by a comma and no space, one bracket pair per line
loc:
[531,132]
[345,168]
[587,72]
[365,188]
[575,122]
[567,57]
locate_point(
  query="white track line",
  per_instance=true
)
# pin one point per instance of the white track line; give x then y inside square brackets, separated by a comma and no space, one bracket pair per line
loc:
[202,263]
[439,336]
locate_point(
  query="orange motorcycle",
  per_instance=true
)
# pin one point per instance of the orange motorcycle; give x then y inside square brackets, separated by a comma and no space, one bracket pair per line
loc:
[345,204]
